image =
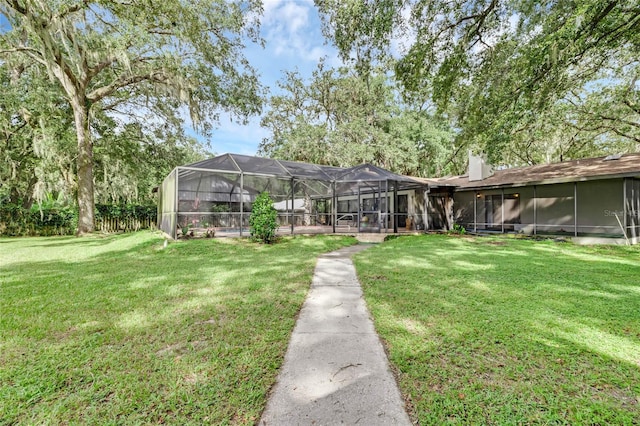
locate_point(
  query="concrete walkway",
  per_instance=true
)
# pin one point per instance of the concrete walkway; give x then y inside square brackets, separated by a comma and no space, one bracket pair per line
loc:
[335,370]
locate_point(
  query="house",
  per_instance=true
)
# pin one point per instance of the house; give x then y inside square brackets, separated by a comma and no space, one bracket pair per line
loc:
[589,199]
[595,199]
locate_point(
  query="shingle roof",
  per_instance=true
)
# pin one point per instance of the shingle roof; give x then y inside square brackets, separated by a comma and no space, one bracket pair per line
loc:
[627,165]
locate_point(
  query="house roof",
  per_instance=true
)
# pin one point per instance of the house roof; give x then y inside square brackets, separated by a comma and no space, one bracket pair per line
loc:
[627,165]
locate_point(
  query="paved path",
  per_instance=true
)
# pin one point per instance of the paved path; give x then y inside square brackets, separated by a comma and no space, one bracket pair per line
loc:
[335,370]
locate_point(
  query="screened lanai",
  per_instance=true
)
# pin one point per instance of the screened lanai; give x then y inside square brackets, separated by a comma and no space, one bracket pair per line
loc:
[217,194]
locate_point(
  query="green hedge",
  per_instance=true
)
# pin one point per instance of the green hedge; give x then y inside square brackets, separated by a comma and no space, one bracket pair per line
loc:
[126,211]
[18,221]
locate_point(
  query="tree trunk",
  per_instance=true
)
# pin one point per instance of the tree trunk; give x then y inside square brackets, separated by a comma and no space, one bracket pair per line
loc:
[86,206]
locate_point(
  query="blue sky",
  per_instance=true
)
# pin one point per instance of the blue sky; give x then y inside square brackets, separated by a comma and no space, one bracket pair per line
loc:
[294,40]
[291,30]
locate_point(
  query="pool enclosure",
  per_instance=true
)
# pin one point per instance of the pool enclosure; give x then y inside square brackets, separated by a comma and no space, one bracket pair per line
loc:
[217,194]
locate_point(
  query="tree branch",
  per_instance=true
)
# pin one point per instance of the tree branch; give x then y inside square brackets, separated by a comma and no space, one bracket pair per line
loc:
[603,129]
[71,9]
[124,81]
[32,53]
[17,7]
[480,15]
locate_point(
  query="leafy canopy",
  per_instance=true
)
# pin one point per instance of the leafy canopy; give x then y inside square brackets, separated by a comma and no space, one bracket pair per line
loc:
[341,118]
[151,60]
[526,81]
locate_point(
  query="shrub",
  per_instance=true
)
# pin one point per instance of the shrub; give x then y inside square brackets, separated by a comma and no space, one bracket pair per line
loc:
[458,229]
[52,218]
[126,211]
[48,220]
[263,220]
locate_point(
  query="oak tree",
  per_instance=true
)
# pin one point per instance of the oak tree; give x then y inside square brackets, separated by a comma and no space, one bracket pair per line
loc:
[505,73]
[342,118]
[173,58]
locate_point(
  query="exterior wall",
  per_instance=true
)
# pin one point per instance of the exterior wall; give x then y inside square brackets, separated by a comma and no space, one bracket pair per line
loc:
[598,204]
[490,206]
[527,210]
[553,209]
[440,210]
[438,215]
[489,210]
[348,209]
[417,207]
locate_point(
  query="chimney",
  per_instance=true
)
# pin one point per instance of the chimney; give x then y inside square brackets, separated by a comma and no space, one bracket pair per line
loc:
[479,168]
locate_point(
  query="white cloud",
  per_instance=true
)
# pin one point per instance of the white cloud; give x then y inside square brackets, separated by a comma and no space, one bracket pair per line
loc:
[292,30]
[233,137]
[294,40]
[296,17]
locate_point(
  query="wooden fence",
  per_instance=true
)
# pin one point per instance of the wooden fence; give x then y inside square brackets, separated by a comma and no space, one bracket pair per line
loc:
[114,224]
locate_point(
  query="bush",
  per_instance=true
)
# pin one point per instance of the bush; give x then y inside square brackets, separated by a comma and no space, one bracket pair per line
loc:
[54,219]
[263,220]
[50,220]
[458,229]
[126,211]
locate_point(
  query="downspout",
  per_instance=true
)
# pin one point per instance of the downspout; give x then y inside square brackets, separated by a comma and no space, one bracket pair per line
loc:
[386,206]
[395,206]
[624,206]
[426,209]
[359,209]
[174,231]
[636,210]
[334,207]
[198,189]
[379,206]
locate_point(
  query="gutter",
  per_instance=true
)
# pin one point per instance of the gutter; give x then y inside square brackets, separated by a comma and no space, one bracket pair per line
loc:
[548,182]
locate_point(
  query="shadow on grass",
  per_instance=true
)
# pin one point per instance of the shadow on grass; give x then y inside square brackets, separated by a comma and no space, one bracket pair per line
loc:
[493,330]
[92,240]
[193,333]
[184,273]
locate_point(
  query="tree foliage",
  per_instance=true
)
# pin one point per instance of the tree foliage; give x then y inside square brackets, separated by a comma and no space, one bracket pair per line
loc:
[526,81]
[36,138]
[131,159]
[121,58]
[342,118]
[37,147]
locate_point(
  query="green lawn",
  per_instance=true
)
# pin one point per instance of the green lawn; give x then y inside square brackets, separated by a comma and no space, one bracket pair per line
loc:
[117,330]
[509,331]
